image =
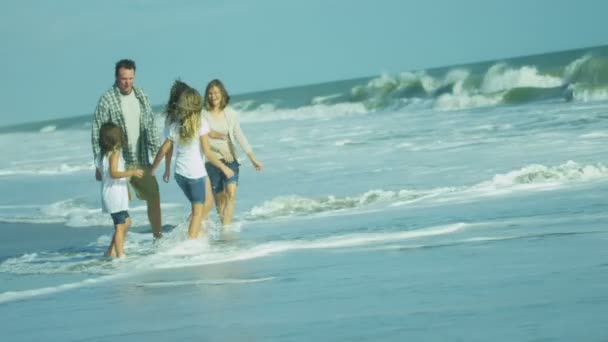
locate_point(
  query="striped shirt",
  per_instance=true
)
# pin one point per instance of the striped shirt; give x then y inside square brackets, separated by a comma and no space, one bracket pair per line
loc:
[109,109]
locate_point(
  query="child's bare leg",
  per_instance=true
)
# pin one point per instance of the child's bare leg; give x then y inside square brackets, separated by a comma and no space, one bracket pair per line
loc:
[111,252]
[230,199]
[195,220]
[220,204]
[119,238]
[124,236]
[208,205]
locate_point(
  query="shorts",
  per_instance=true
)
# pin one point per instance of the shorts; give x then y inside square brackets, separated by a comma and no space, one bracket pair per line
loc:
[194,189]
[146,187]
[120,217]
[218,178]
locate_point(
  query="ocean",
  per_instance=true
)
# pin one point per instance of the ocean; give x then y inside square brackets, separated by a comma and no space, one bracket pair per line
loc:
[463,203]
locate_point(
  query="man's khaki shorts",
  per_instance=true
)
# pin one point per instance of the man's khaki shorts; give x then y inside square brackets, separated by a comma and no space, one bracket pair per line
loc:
[146,187]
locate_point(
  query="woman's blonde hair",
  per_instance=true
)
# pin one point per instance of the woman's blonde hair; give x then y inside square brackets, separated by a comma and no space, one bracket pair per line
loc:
[189,108]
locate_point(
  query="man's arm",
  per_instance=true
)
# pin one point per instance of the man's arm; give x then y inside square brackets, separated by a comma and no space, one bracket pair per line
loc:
[168,157]
[100,117]
[153,143]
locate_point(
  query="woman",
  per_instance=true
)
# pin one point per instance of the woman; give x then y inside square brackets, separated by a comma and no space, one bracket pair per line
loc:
[225,130]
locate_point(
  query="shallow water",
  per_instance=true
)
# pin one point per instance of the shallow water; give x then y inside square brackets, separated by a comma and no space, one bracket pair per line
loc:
[401,222]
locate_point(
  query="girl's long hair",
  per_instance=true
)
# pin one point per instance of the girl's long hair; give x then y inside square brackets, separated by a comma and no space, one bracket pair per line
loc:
[110,137]
[189,108]
[176,91]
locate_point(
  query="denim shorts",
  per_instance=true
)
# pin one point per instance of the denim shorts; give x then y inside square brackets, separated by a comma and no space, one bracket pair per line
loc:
[120,217]
[194,189]
[218,178]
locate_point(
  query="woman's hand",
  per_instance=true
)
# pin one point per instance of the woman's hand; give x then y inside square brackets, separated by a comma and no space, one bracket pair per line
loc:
[226,155]
[256,164]
[228,172]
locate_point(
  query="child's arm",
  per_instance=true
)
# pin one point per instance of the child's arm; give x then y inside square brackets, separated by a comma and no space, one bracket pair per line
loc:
[168,157]
[212,157]
[164,149]
[114,173]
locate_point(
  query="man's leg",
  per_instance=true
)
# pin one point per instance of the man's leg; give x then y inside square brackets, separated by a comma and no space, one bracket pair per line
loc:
[154,215]
[146,188]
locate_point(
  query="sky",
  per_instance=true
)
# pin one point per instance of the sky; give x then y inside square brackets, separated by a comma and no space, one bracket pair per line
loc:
[58,57]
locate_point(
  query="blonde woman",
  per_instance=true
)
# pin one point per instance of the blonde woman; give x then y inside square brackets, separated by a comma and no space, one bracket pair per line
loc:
[189,135]
[225,131]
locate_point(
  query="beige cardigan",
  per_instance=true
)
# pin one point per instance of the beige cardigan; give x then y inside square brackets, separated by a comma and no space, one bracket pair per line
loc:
[233,131]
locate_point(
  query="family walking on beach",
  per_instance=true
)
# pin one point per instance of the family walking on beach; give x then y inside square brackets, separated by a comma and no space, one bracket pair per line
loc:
[200,134]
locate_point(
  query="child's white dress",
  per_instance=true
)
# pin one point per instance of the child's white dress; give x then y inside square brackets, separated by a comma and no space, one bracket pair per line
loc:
[114,192]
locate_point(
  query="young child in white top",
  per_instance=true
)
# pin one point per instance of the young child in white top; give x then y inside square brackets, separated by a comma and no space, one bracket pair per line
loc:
[114,191]
[189,135]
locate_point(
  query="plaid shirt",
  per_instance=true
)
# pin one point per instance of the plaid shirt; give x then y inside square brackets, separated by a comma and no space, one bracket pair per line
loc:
[109,109]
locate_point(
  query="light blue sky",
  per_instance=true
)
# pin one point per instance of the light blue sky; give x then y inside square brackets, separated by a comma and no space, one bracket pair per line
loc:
[58,56]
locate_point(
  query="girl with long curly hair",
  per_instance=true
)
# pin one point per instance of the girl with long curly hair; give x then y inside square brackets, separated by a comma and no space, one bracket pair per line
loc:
[188,134]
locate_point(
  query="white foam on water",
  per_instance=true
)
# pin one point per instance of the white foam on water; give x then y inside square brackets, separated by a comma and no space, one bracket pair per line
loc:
[501,77]
[343,142]
[313,112]
[47,129]
[590,95]
[534,177]
[11,296]
[324,99]
[78,212]
[594,135]
[466,100]
[55,153]
[204,282]
[225,255]
[47,170]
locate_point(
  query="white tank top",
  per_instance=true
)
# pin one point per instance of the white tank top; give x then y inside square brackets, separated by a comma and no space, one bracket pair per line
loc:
[114,192]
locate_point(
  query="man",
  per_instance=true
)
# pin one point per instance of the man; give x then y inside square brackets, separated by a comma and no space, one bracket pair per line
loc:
[128,107]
